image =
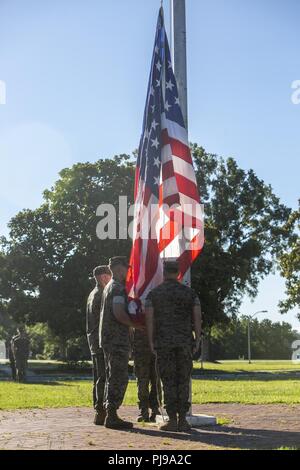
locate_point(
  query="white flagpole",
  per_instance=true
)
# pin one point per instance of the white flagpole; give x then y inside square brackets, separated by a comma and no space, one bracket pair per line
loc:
[178,51]
[179,59]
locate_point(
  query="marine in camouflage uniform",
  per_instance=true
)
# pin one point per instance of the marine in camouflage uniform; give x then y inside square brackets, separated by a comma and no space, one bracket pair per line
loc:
[114,340]
[20,351]
[171,310]
[149,389]
[102,276]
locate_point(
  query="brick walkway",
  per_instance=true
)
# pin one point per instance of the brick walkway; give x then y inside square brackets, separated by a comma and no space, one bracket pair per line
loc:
[249,427]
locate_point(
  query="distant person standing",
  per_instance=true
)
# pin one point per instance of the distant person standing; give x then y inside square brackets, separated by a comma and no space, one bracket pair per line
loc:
[11,358]
[102,276]
[20,351]
[172,313]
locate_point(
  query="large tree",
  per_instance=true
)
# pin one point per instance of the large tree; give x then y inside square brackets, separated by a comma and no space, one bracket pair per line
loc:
[245,232]
[51,251]
[290,267]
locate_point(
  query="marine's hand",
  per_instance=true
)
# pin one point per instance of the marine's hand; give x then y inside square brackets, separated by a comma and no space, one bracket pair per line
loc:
[139,327]
[152,349]
[196,346]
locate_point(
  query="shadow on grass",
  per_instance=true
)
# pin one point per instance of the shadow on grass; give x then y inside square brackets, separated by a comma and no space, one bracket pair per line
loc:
[50,383]
[231,437]
[238,377]
[40,382]
[242,375]
[212,375]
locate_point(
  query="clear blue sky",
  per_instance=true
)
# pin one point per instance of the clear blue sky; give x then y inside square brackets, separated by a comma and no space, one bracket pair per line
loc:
[76,75]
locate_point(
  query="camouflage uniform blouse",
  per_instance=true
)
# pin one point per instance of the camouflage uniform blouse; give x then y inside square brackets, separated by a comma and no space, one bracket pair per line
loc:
[93,308]
[173,305]
[113,334]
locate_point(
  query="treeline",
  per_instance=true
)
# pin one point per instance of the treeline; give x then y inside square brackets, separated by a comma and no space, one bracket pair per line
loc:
[269,340]
[47,259]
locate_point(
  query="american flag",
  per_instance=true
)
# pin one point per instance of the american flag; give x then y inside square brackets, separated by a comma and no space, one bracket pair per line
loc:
[168,218]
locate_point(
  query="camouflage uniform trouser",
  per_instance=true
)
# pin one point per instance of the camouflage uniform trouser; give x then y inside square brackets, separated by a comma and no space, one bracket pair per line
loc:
[116,368]
[175,368]
[98,379]
[21,366]
[12,366]
[145,371]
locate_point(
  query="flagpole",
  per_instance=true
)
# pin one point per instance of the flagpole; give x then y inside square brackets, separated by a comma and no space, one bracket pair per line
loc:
[178,50]
[179,59]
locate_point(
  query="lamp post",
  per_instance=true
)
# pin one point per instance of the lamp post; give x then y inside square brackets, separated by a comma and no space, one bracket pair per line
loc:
[249,333]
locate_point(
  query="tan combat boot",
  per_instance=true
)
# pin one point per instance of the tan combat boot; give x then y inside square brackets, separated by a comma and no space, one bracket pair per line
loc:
[113,421]
[171,425]
[100,417]
[183,425]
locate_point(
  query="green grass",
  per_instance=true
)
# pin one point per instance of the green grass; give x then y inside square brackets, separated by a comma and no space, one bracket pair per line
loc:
[52,395]
[224,382]
[78,393]
[247,391]
[224,421]
[289,448]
